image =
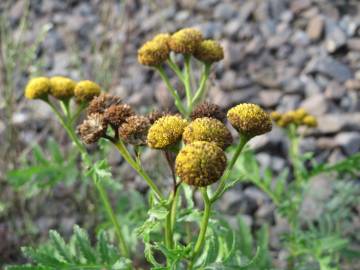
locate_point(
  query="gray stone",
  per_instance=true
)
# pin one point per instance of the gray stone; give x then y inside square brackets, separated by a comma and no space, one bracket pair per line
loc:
[289,102]
[334,90]
[315,27]
[298,6]
[335,37]
[353,44]
[330,67]
[234,53]
[293,85]
[255,45]
[257,195]
[316,104]
[299,57]
[232,201]
[228,81]
[270,98]
[353,85]
[246,10]
[349,141]
[311,87]
[333,123]
[232,28]
[224,11]
[300,39]
[266,77]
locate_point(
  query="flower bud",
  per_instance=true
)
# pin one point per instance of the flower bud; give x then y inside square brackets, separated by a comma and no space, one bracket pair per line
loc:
[206,109]
[166,131]
[299,115]
[86,90]
[207,129]
[37,88]
[249,119]
[62,87]
[92,129]
[275,116]
[200,163]
[209,51]
[185,40]
[134,130]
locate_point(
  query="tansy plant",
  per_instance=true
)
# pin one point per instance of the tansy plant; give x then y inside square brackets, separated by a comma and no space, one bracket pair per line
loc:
[194,142]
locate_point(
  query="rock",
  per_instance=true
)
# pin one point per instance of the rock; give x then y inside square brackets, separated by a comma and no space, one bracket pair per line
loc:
[246,10]
[269,98]
[265,213]
[353,44]
[266,77]
[232,28]
[298,6]
[228,81]
[349,141]
[325,143]
[232,201]
[257,195]
[299,57]
[163,96]
[336,156]
[334,90]
[330,67]
[333,123]
[315,27]
[289,102]
[300,39]
[233,53]
[352,85]
[255,45]
[311,87]
[224,11]
[316,104]
[335,37]
[293,85]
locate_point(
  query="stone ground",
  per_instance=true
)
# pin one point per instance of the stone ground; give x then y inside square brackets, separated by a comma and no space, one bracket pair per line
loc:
[280,54]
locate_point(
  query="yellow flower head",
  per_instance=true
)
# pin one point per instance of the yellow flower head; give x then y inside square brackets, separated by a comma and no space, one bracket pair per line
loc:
[166,131]
[209,51]
[62,87]
[163,38]
[275,116]
[37,88]
[299,115]
[310,121]
[200,163]
[249,119]
[207,129]
[86,90]
[154,52]
[185,40]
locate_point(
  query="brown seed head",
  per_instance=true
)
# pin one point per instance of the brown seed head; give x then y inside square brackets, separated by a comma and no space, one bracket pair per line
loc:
[115,115]
[211,110]
[100,103]
[134,130]
[92,129]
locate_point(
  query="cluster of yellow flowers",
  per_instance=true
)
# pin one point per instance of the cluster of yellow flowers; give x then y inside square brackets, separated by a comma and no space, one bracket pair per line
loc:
[202,161]
[299,117]
[187,41]
[61,88]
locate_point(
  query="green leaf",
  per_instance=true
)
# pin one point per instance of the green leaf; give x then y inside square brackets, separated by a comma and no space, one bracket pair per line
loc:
[245,238]
[59,244]
[83,243]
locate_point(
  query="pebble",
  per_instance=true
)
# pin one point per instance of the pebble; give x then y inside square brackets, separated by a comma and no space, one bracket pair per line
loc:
[349,141]
[335,37]
[315,27]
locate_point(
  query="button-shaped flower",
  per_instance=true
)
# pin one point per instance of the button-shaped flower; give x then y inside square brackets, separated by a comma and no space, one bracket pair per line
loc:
[249,119]
[37,88]
[209,51]
[207,129]
[166,131]
[200,163]
[86,90]
[185,40]
[62,87]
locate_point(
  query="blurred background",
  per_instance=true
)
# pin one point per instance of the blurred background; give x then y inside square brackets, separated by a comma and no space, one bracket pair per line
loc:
[281,54]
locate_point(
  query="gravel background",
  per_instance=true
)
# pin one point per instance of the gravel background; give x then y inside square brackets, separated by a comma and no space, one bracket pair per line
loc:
[280,54]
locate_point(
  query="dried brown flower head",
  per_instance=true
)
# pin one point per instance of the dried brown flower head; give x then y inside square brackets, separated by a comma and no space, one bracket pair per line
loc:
[155,115]
[100,103]
[115,115]
[134,130]
[207,109]
[93,128]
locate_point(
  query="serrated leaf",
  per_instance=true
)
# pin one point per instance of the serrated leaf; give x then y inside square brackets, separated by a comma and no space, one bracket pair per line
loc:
[83,243]
[245,238]
[60,246]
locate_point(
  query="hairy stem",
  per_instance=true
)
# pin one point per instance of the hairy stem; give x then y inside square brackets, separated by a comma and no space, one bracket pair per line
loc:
[172,90]
[127,156]
[221,186]
[187,81]
[103,195]
[203,227]
[201,90]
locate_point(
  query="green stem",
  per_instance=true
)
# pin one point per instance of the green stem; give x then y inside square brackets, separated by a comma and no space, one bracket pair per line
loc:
[127,156]
[104,198]
[187,81]
[201,90]
[80,108]
[175,68]
[203,227]
[172,90]
[174,207]
[221,186]
[169,242]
